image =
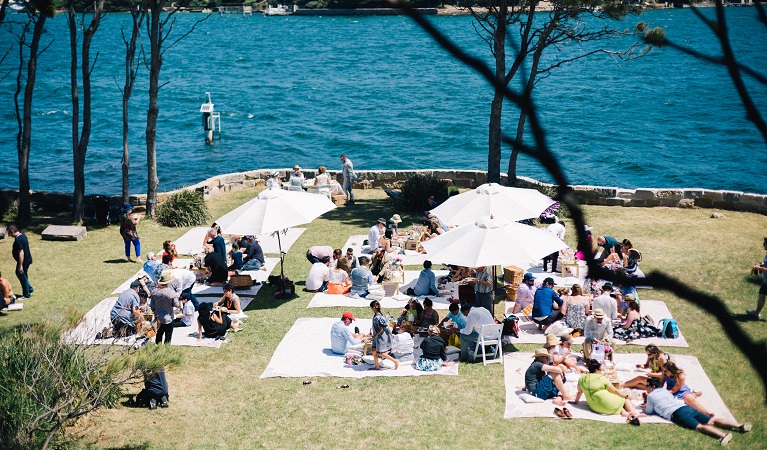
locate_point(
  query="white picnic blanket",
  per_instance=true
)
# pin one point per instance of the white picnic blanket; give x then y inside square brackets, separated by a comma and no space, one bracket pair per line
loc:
[529,333]
[305,352]
[559,280]
[191,242]
[97,319]
[515,365]
[409,257]
[259,276]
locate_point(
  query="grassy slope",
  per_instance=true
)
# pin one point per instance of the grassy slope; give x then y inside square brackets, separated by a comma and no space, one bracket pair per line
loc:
[218,399]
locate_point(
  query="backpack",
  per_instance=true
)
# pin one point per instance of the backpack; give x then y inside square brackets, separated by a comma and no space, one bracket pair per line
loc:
[668,329]
[511,326]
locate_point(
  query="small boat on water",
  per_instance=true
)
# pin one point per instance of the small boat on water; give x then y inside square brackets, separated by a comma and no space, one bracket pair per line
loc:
[279,10]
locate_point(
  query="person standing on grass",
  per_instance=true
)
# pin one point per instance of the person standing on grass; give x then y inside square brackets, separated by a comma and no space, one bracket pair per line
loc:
[483,288]
[662,402]
[761,267]
[164,299]
[129,233]
[23,258]
[347,170]
[381,339]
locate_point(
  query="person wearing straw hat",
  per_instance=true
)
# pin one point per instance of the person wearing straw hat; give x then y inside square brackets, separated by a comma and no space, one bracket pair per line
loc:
[598,328]
[545,381]
[164,299]
[129,233]
[393,224]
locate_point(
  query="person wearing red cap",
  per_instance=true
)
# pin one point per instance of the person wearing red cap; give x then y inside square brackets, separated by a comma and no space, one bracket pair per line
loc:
[342,340]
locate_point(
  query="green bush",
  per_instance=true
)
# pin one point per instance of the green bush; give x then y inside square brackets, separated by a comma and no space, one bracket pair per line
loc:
[418,188]
[183,209]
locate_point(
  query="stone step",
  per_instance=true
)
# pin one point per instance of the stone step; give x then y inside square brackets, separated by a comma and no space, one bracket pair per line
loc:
[64,233]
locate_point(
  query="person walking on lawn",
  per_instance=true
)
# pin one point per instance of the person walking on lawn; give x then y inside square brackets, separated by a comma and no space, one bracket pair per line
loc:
[23,258]
[762,268]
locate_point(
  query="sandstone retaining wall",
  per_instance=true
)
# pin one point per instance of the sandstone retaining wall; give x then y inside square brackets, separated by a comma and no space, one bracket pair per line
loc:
[393,179]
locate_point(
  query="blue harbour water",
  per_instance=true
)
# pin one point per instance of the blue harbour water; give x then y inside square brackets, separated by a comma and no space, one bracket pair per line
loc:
[306,89]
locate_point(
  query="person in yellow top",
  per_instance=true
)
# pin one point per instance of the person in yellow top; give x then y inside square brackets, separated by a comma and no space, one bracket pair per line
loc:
[602,397]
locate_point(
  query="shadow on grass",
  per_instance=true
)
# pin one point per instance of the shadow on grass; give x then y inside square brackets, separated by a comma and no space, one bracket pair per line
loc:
[752,279]
[130,447]
[117,261]
[745,318]
[266,299]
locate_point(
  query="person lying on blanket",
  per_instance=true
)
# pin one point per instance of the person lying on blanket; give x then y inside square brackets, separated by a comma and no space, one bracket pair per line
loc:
[662,402]
[545,381]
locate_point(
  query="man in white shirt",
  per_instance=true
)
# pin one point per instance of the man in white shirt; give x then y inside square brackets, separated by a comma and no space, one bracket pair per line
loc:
[183,284]
[342,340]
[319,274]
[597,329]
[606,303]
[557,229]
[374,235]
[347,171]
[475,317]
[525,293]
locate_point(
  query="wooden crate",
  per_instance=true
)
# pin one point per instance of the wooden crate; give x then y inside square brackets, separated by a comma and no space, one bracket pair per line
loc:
[511,293]
[339,199]
[241,281]
[513,274]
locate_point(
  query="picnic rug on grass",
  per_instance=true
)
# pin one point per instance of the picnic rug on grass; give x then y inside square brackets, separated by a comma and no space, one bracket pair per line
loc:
[529,333]
[305,352]
[95,320]
[515,365]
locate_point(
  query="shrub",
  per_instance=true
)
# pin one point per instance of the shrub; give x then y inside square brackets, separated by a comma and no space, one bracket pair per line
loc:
[183,209]
[418,188]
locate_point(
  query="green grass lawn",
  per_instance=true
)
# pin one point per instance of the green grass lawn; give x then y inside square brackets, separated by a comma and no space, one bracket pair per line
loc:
[218,400]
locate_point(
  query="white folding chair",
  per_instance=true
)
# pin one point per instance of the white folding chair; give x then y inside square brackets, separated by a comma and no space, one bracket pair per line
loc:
[324,189]
[490,335]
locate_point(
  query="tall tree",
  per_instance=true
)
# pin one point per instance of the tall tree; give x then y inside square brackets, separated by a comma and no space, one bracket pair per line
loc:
[80,138]
[158,30]
[532,31]
[138,13]
[38,11]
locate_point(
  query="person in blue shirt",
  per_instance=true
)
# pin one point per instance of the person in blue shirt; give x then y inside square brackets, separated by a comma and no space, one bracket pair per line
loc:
[362,277]
[342,340]
[662,402]
[544,313]
[427,282]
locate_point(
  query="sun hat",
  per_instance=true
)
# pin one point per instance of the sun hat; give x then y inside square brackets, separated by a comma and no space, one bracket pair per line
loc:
[296,167]
[347,315]
[551,340]
[529,276]
[127,207]
[166,278]
[607,286]
[541,352]
[629,298]
[382,220]
[599,314]
[275,173]
[396,218]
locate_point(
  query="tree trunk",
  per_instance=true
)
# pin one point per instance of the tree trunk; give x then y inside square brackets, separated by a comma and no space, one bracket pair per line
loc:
[496,108]
[72,23]
[24,144]
[78,206]
[155,38]
[138,12]
[3,10]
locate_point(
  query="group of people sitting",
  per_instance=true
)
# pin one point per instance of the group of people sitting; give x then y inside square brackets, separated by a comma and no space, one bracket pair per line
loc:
[665,390]
[393,339]
[578,310]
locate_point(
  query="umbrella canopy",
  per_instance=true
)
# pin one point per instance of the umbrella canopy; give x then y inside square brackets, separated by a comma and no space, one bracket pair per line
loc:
[275,209]
[490,242]
[492,199]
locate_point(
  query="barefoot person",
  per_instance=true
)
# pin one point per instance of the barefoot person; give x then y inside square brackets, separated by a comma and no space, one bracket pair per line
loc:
[381,338]
[761,268]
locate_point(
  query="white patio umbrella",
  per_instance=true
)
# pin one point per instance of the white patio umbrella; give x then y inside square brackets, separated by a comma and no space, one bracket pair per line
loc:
[275,210]
[492,199]
[490,242]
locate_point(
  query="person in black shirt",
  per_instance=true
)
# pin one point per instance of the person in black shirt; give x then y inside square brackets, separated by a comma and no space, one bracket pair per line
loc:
[23,258]
[254,257]
[217,268]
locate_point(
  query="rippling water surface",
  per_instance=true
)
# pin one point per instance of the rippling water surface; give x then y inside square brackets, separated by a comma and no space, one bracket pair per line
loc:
[306,89]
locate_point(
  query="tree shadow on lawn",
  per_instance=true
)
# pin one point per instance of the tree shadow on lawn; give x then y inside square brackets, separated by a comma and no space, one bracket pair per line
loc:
[265,299]
[363,213]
